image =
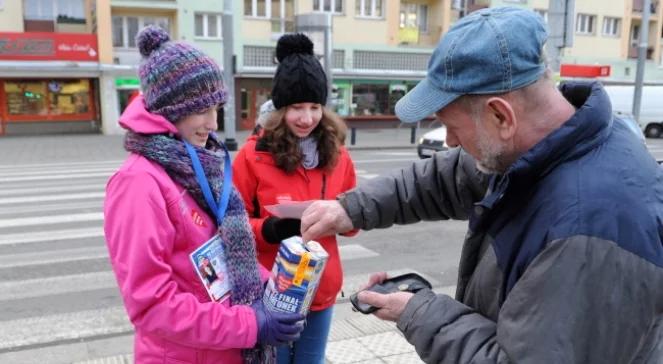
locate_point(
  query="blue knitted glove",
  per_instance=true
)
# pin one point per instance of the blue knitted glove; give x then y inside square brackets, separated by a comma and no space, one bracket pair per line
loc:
[277,328]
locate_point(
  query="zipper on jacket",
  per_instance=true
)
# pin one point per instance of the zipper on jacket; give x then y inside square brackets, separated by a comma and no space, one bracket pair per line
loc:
[324,185]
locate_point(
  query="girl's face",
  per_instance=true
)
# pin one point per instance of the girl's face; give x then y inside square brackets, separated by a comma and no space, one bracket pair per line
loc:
[195,128]
[303,117]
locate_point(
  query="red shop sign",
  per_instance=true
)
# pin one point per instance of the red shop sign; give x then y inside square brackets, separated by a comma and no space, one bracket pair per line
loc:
[48,47]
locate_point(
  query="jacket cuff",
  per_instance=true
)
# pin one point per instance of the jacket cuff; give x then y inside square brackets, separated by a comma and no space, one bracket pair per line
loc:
[351,206]
[418,307]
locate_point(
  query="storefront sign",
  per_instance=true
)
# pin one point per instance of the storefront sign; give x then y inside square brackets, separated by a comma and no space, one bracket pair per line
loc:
[48,47]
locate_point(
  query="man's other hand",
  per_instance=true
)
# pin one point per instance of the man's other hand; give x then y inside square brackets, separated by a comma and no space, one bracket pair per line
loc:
[324,218]
[390,306]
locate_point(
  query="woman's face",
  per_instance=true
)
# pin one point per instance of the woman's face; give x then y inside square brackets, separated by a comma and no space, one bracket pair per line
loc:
[303,117]
[195,128]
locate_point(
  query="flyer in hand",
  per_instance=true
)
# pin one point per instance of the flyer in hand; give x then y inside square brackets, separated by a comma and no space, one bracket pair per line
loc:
[209,262]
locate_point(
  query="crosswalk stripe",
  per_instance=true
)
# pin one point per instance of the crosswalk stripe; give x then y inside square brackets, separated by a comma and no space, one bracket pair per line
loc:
[48,220]
[41,208]
[40,287]
[386,160]
[53,177]
[52,256]
[61,164]
[46,198]
[68,326]
[355,251]
[51,189]
[19,173]
[39,236]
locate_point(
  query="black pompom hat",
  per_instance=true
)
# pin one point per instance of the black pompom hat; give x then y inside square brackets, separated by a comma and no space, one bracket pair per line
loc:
[299,76]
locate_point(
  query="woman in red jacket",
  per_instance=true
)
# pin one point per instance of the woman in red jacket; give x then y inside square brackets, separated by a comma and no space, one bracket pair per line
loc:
[298,156]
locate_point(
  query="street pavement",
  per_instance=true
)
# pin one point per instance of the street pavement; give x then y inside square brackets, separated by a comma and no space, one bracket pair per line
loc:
[60,302]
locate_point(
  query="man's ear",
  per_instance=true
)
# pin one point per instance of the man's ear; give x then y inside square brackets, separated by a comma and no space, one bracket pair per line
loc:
[501,114]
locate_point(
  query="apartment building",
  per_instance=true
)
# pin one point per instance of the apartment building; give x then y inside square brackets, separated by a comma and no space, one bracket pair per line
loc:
[607,33]
[49,66]
[380,50]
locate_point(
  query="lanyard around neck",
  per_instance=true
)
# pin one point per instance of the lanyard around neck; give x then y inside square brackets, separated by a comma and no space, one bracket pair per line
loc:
[219,209]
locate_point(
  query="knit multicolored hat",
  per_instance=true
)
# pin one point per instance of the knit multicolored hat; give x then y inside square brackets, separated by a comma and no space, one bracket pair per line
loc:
[177,79]
[299,76]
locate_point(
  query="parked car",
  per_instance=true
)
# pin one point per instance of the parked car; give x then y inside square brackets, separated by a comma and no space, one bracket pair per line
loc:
[431,142]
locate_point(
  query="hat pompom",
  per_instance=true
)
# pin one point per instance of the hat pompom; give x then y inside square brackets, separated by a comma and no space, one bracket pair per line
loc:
[290,44]
[151,38]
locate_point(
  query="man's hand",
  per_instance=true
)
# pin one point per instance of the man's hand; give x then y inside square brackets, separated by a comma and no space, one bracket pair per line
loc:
[324,218]
[390,306]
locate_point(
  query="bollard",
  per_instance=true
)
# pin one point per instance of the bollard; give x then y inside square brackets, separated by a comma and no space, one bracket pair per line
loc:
[353,136]
[413,134]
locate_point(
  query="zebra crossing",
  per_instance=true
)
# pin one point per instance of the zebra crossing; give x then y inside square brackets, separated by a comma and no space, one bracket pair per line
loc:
[59,301]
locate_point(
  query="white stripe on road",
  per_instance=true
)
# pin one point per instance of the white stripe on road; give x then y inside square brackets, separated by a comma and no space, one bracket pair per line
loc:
[62,164]
[53,177]
[46,198]
[39,236]
[68,326]
[51,189]
[40,287]
[95,205]
[52,256]
[19,173]
[388,160]
[55,219]
[355,251]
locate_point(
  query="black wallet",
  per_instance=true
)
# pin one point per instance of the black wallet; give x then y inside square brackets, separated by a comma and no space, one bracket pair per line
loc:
[410,282]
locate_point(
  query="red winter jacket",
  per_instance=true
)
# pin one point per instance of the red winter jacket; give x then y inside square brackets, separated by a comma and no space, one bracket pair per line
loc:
[261,182]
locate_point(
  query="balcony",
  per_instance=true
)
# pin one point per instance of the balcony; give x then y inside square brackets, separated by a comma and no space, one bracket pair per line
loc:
[638,6]
[633,52]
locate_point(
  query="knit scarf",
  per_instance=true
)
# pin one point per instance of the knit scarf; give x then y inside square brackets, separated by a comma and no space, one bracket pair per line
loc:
[309,148]
[236,235]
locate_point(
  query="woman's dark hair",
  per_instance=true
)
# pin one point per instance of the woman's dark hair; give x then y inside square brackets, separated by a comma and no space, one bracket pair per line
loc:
[284,145]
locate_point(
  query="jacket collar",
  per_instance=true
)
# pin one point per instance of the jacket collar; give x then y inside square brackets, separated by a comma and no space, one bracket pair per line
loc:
[585,130]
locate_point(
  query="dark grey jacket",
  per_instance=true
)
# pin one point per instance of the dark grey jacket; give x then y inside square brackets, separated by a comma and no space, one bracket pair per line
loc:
[563,261]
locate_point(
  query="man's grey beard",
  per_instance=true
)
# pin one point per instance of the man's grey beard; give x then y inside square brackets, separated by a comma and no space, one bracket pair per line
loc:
[493,155]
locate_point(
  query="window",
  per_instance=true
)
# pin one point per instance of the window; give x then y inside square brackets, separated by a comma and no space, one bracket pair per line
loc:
[257,8]
[38,10]
[70,11]
[58,99]
[543,13]
[585,24]
[329,6]
[611,26]
[125,28]
[368,8]
[64,11]
[208,25]
[414,16]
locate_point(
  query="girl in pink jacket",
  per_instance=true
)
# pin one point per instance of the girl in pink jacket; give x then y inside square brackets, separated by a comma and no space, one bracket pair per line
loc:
[169,198]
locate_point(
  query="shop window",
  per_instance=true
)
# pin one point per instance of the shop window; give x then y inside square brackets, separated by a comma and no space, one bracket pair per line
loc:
[26,98]
[69,97]
[370,99]
[48,99]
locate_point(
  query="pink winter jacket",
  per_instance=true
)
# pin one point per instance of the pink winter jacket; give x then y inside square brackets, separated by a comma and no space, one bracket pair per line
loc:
[152,225]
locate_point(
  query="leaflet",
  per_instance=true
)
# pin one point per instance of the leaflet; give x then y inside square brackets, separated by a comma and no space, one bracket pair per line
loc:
[209,262]
[289,209]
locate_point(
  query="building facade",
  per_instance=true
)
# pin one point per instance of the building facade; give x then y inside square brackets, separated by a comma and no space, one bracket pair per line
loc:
[72,64]
[380,50]
[49,66]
